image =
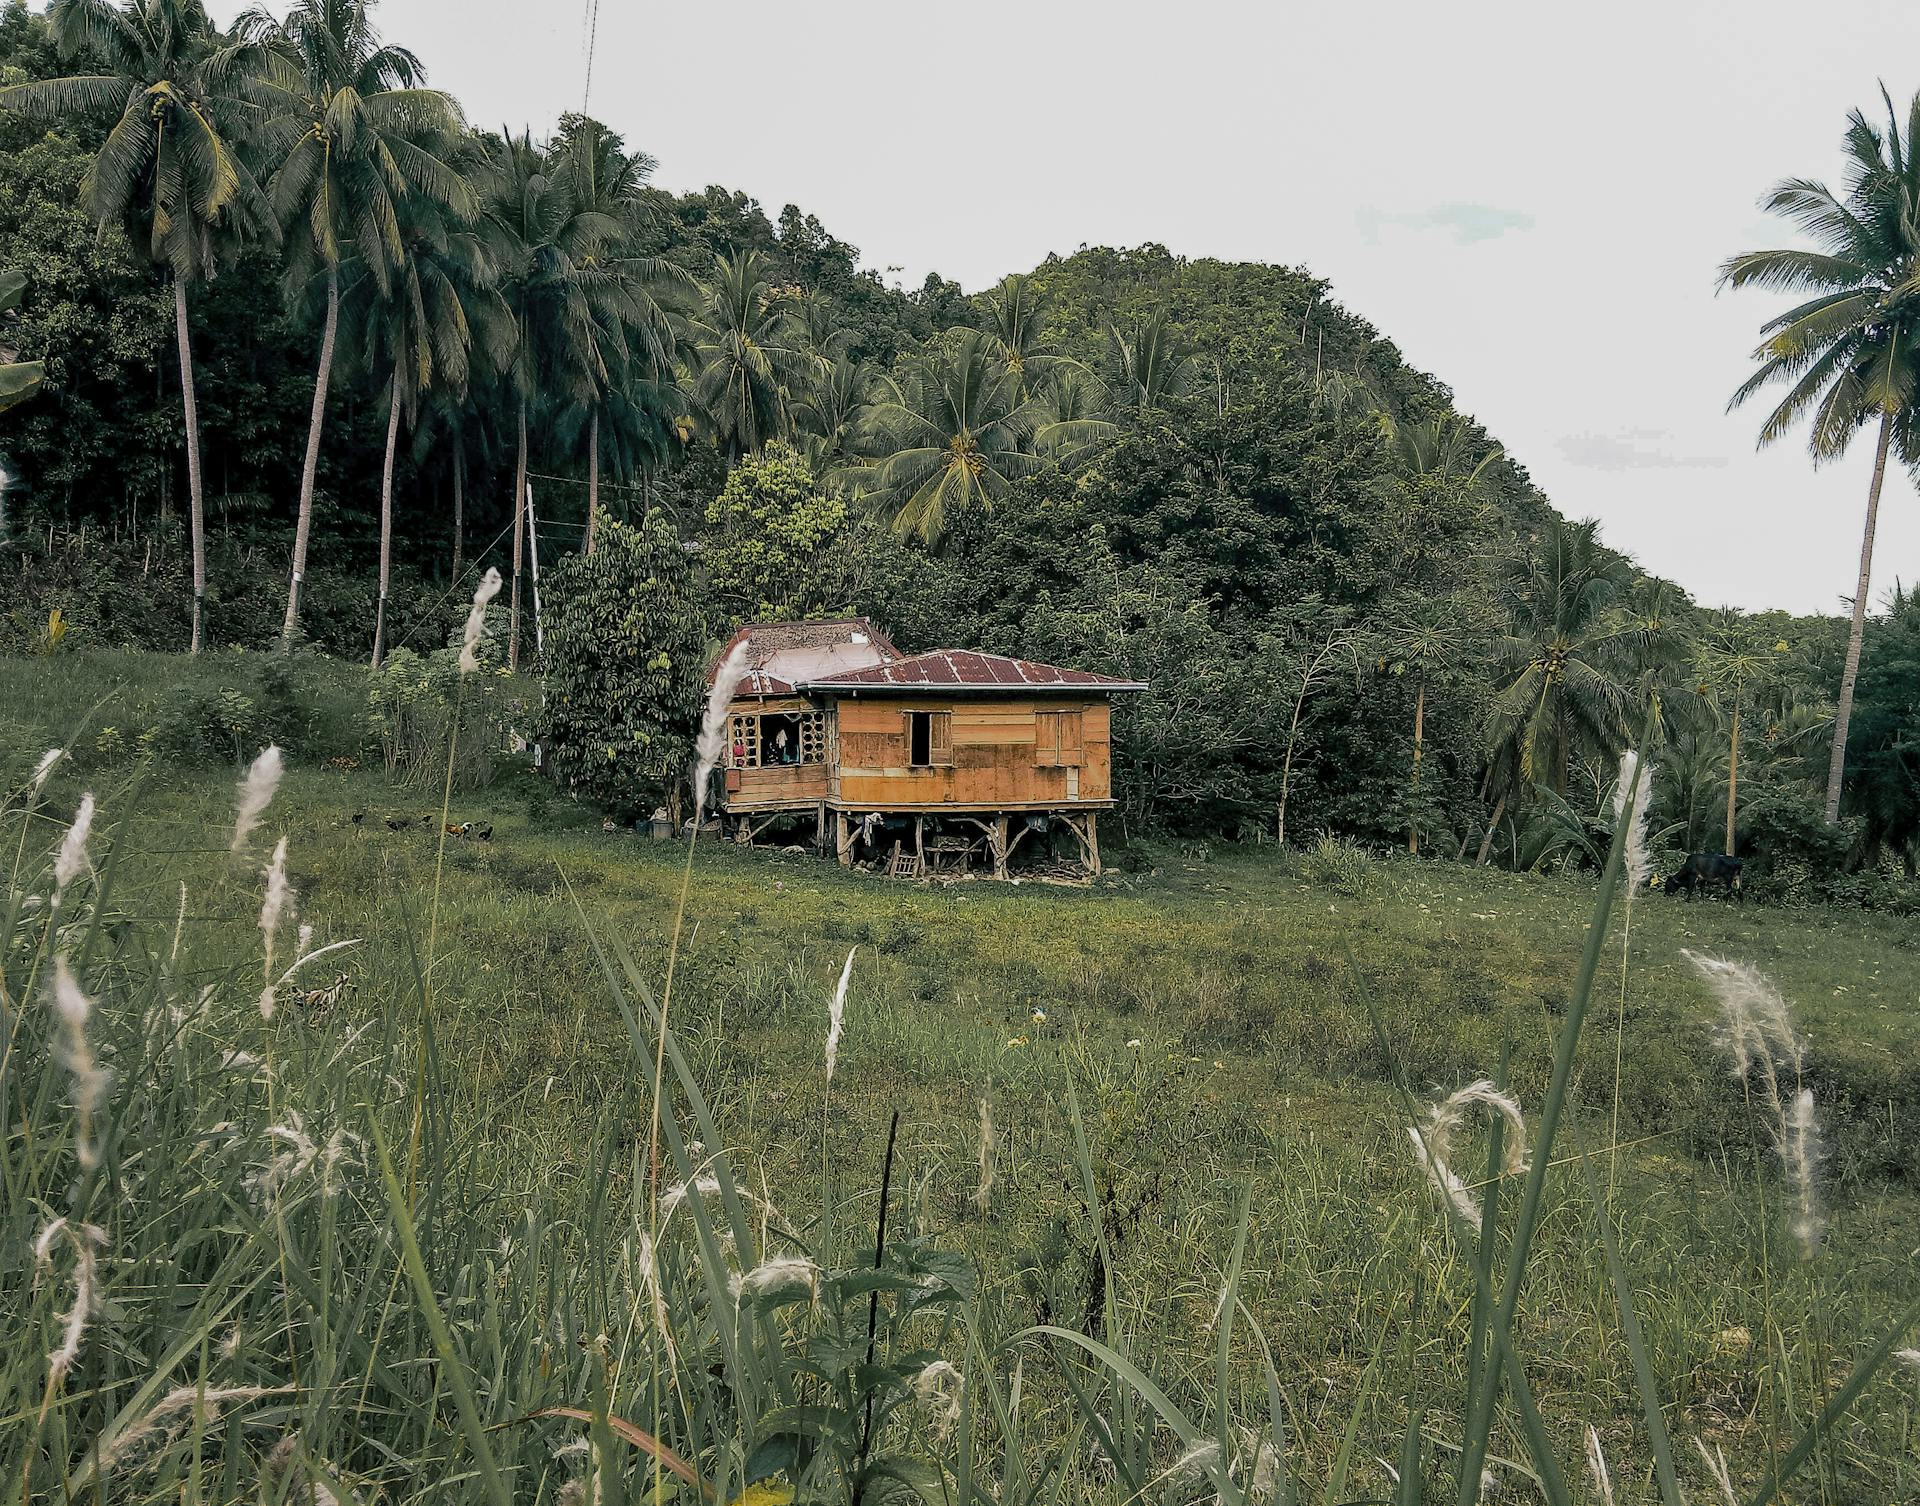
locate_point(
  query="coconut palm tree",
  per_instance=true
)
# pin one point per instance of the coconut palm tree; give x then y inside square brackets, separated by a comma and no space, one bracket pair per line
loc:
[1432,636]
[831,412]
[439,310]
[1733,661]
[556,228]
[951,437]
[168,171]
[1013,313]
[1069,418]
[746,365]
[1154,363]
[636,333]
[351,135]
[1848,351]
[1557,667]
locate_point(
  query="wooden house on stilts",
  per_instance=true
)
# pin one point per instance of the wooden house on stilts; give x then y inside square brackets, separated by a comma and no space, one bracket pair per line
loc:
[948,760]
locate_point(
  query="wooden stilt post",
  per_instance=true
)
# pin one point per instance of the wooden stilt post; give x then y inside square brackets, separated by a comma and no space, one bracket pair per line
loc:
[842,839]
[1093,844]
[999,840]
[919,845]
[820,827]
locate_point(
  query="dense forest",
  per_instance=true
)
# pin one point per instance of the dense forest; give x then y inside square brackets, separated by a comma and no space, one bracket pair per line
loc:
[1357,613]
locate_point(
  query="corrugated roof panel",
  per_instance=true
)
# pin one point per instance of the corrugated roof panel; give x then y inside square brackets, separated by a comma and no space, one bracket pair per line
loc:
[968,668]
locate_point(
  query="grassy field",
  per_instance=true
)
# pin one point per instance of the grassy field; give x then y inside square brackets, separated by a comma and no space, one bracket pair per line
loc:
[1228,1025]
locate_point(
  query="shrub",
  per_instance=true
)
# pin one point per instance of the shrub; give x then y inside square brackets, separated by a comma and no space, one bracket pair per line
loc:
[415,701]
[1339,864]
[625,661]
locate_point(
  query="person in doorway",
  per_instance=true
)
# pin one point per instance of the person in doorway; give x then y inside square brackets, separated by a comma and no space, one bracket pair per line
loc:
[782,749]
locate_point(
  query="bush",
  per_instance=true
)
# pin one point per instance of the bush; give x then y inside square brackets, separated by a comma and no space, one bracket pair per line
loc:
[625,662]
[1339,864]
[416,699]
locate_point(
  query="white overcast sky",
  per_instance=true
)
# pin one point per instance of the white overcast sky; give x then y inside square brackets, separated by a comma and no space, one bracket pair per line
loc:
[1530,199]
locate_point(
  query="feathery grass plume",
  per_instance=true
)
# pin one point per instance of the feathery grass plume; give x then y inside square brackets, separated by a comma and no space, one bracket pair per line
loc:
[85,1240]
[779,1276]
[1639,861]
[40,772]
[298,1154]
[274,906]
[1716,1462]
[941,1391]
[1802,1149]
[837,1015]
[476,630]
[713,724]
[168,1418]
[1597,1467]
[257,787]
[1433,1142]
[72,858]
[89,1078]
[707,1185]
[1756,1025]
[1757,1033]
[983,1194]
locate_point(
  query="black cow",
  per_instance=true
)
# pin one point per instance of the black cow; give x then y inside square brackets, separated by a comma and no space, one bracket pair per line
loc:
[1707,868]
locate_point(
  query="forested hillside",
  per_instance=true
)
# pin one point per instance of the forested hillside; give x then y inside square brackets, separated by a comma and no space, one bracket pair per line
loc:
[1357,613]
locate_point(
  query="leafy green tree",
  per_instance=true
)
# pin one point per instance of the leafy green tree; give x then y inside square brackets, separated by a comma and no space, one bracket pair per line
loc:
[1850,353]
[167,171]
[94,319]
[1887,791]
[773,537]
[350,135]
[625,667]
[745,367]
[950,437]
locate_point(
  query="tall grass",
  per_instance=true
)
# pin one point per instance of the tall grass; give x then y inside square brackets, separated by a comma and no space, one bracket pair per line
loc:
[224,1281]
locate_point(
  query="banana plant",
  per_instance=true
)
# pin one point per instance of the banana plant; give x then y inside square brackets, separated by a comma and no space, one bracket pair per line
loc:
[18,379]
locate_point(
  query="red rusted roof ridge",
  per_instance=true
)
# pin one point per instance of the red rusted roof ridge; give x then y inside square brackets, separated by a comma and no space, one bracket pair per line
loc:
[968,669]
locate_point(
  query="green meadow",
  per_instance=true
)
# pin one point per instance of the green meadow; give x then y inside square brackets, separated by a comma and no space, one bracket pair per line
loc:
[1214,1038]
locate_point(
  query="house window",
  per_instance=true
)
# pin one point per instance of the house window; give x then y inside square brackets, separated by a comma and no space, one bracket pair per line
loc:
[930,739]
[776,739]
[1057,739]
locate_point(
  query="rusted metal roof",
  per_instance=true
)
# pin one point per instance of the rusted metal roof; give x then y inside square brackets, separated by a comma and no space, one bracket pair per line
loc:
[783,655]
[965,669]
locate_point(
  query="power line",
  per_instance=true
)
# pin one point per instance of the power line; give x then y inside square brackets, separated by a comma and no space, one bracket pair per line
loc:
[593,39]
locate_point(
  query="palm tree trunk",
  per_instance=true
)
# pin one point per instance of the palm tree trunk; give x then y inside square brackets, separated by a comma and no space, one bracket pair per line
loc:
[1733,776]
[593,475]
[459,505]
[1837,763]
[1419,735]
[197,516]
[519,541]
[303,529]
[386,524]
[1493,825]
